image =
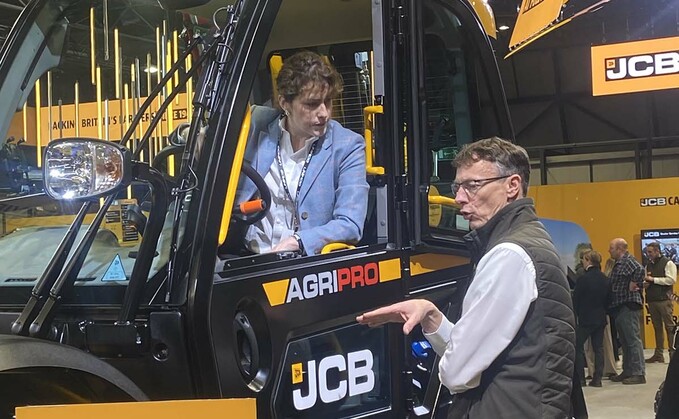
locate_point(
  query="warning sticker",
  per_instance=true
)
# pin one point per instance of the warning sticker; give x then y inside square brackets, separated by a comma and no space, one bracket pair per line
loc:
[115,271]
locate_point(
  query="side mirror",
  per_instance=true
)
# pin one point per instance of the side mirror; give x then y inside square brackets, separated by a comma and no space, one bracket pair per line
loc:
[83,168]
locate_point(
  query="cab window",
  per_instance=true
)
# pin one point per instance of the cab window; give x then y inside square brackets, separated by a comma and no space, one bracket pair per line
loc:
[82,95]
[457,111]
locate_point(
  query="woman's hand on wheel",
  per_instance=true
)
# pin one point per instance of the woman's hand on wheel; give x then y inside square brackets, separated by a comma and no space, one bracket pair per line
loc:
[288,244]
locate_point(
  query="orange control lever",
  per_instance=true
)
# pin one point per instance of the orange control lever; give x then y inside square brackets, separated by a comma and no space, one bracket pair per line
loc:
[251,207]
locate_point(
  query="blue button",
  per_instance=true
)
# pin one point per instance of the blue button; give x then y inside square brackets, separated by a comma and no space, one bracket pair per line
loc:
[420,348]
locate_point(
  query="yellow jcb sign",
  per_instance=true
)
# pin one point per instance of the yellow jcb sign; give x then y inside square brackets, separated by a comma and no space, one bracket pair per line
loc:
[635,66]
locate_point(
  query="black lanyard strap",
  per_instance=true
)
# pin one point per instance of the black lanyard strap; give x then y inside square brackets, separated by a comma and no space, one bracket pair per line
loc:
[284,181]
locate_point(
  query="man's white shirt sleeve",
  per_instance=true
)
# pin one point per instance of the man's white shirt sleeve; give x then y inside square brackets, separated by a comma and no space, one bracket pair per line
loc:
[493,310]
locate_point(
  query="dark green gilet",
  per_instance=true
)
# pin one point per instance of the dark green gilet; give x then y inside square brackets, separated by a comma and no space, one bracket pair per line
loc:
[657,292]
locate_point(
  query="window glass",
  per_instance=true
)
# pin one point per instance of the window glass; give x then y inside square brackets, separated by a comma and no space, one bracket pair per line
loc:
[109,59]
[456,113]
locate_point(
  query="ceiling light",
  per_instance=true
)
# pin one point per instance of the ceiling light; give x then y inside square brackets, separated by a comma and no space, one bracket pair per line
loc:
[503,27]
[153,69]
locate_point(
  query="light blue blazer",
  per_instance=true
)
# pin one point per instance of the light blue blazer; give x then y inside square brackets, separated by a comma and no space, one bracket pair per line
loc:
[333,199]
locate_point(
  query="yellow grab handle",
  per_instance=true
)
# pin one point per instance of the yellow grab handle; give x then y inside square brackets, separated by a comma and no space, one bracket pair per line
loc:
[331,247]
[443,200]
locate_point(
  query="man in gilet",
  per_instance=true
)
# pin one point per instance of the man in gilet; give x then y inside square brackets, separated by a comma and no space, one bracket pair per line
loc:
[510,354]
[661,274]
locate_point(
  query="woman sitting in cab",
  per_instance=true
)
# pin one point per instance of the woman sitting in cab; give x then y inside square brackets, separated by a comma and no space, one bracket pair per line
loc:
[314,167]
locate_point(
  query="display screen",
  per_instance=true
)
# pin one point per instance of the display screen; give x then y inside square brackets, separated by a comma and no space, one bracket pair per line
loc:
[668,239]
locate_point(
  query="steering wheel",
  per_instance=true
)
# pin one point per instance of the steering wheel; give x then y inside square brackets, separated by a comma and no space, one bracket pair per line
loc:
[252,211]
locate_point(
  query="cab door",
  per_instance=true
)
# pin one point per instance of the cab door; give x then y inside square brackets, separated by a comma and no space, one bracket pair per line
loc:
[456,98]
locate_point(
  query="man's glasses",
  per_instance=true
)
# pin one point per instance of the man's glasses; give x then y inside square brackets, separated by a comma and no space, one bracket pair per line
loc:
[471,187]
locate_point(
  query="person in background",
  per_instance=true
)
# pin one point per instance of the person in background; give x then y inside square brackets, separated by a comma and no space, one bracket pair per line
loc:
[511,352]
[611,344]
[314,167]
[667,402]
[615,343]
[590,301]
[660,277]
[625,304]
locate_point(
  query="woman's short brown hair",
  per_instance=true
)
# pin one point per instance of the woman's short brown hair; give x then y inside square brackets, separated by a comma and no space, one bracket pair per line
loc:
[593,257]
[306,68]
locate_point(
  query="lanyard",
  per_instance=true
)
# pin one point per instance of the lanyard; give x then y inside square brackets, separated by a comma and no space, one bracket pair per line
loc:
[281,171]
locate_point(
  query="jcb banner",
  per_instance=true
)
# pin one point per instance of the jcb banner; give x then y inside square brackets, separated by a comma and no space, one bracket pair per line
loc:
[635,66]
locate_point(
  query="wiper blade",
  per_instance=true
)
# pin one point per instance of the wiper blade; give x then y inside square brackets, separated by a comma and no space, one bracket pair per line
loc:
[46,280]
[41,325]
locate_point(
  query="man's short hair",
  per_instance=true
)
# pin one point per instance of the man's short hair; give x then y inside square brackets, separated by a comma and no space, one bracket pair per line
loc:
[593,257]
[654,245]
[510,159]
[622,244]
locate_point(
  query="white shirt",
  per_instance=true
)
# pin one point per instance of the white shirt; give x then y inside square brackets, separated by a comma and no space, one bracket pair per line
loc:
[493,310]
[277,225]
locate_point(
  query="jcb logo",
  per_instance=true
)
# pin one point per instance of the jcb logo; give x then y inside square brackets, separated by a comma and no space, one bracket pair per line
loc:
[635,66]
[653,202]
[651,234]
[355,377]
[660,201]
[642,66]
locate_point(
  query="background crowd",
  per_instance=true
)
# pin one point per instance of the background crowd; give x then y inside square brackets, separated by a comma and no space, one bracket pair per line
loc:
[608,306]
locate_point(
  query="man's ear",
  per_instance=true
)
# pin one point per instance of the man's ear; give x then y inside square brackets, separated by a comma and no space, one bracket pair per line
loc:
[514,187]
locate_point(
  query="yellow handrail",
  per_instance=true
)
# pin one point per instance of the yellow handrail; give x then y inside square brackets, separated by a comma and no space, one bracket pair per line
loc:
[275,65]
[368,113]
[234,176]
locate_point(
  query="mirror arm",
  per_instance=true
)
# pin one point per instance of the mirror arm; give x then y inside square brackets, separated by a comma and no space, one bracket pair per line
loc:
[46,280]
[41,326]
[147,248]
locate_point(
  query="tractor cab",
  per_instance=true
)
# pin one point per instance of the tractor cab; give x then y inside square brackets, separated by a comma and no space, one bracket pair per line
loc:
[118,281]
